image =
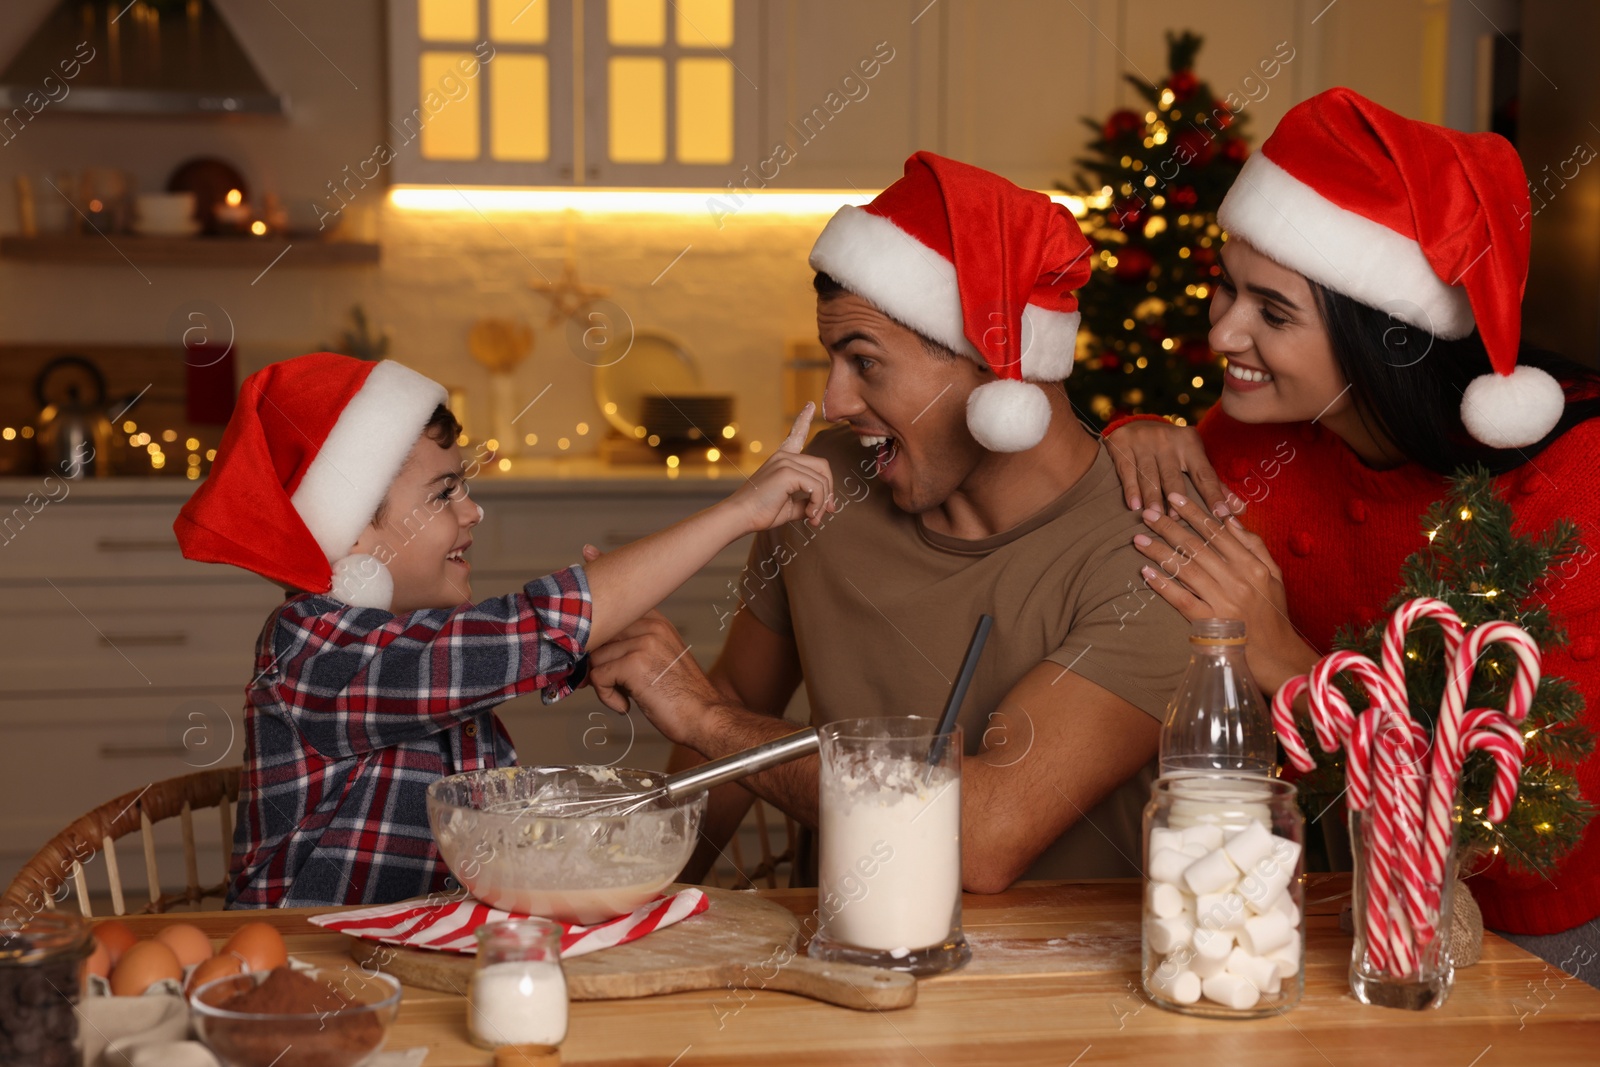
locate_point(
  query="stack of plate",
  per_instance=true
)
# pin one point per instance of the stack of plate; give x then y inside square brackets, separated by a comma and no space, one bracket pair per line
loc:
[679,420]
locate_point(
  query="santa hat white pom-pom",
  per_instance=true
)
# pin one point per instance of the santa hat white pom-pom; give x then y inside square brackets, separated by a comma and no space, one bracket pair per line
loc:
[1008,416]
[362,582]
[1512,410]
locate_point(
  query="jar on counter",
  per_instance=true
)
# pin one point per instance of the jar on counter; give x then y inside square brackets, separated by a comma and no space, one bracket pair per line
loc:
[43,968]
[1223,901]
[518,994]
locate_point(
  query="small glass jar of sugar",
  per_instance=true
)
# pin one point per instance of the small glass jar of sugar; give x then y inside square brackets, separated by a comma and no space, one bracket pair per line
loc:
[1223,900]
[518,994]
[889,862]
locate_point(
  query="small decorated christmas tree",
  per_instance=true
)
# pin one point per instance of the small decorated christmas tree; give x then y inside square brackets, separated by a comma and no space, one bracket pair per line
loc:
[1477,564]
[1151,190]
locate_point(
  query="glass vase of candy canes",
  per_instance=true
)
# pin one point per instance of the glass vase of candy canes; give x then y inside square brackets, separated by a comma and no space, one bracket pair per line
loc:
[1402,919]
[1223,898]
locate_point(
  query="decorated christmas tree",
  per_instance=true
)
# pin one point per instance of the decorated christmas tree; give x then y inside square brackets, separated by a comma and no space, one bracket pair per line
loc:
[1477,564]
[1150,191]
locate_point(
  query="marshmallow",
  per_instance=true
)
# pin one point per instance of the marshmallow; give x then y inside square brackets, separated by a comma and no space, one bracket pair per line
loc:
[1206,966]
[1207,835]
[1167,900]
[1194,850]
[1286,958]
[1285,852]
[1249,846]
[1161,838]
[1168,866]
[1212,944]
[1264,933]
[1164,935]
[1261,973]
[1285,903]
[1211,873]
[1230,990]
[1262,886]
[1220,911]
[1181,987]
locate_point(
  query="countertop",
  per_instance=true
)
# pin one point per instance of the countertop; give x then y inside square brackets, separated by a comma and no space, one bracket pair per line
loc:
[1054,979]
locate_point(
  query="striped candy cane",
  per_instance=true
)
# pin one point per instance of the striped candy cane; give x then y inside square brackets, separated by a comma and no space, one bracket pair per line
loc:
[1400,623]
[1294,746]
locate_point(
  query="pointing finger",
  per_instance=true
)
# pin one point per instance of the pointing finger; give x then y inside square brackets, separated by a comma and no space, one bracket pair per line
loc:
[796,440]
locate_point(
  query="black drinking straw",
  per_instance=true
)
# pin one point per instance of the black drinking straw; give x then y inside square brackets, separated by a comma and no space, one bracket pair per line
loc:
[958,693]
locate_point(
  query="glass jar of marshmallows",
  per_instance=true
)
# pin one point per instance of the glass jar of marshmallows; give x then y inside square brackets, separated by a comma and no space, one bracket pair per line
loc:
[1223,895]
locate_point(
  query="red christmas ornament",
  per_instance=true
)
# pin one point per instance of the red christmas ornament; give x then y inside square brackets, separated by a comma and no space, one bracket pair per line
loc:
[1184,196]
[1194,148]
[1204,256]
[1121,123]
[1127,214]
[1110,362]
[1236,151]
[1133,265]
[1196,352]
[1183,84]
[1223,118]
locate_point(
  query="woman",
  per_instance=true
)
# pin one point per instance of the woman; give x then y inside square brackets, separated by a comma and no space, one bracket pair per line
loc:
[1370,313]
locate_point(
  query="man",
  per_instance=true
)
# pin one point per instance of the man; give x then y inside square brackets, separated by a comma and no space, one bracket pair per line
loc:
[964,488]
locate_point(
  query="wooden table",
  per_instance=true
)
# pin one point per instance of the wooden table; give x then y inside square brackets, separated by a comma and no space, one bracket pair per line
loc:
[1054,979]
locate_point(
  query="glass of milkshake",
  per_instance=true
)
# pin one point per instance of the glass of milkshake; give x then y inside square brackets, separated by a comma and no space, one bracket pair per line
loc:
[889,871]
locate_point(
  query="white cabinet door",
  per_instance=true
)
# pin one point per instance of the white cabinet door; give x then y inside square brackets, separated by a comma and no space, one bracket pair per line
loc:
[854,91]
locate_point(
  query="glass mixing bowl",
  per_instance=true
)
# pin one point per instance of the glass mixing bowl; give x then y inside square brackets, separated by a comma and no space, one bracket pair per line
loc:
[501,835]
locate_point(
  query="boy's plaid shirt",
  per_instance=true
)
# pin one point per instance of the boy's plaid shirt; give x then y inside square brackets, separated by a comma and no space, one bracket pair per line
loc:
[355,711]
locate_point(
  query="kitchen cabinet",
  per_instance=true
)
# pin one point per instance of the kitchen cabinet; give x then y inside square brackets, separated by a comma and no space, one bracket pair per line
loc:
[122,663]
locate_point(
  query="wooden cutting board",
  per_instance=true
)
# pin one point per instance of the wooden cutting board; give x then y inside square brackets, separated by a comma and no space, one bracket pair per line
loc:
[740,943]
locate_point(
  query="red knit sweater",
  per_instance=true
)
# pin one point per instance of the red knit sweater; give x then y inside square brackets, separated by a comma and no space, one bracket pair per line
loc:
[1341,530]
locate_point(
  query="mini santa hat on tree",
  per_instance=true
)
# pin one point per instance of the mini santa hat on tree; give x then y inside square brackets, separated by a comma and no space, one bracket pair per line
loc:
[308,456]
[1425,223]
[983,267]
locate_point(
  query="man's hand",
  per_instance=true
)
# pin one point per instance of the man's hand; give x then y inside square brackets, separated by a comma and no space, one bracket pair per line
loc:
[649,664]
[788,486]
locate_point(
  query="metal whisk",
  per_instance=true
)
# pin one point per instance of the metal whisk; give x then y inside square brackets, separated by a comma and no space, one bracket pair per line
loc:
[687,783]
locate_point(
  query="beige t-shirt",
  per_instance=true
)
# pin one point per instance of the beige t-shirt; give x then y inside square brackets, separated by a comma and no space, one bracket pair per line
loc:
[882,610]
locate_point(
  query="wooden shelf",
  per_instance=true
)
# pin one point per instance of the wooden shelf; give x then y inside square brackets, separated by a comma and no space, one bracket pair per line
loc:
[245,253]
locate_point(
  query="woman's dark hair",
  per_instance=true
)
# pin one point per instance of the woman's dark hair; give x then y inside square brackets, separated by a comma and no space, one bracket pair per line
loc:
[1407,384]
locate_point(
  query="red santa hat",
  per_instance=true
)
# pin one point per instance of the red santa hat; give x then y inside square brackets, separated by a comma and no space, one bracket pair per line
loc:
[1425,223]
[308,456]
[981,266]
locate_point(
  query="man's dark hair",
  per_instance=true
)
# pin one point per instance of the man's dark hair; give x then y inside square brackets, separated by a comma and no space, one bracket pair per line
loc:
[828,287]
[443,429]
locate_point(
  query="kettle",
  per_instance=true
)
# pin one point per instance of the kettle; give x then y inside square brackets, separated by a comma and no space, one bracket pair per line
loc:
[73,437]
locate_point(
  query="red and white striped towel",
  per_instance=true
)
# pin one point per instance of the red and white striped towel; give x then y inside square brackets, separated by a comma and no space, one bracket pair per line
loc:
[450,926]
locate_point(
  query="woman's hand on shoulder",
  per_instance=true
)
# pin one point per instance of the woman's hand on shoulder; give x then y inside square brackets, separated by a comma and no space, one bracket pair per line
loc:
[1152,458]
[1213,569]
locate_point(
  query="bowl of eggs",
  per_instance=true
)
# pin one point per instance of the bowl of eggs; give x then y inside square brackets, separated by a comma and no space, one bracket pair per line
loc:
[180,957]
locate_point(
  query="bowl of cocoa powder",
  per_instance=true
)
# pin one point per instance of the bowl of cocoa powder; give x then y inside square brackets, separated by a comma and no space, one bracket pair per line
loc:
[322,1017]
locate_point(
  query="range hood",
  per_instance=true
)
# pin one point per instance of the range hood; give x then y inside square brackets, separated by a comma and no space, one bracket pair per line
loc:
[150,57]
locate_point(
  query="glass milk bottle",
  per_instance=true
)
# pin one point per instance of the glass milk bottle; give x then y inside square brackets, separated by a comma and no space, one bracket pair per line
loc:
[518,994]
[1223,930]
[1217,720]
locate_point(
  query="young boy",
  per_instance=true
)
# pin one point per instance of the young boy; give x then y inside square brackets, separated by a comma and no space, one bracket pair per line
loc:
[341,481]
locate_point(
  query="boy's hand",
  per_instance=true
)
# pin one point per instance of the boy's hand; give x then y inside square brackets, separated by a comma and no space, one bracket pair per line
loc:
[788,486]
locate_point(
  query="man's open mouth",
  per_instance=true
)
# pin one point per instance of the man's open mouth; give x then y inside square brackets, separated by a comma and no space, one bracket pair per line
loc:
[885,446]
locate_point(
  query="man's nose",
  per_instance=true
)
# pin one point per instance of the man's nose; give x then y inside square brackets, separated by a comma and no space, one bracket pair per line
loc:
[839,398]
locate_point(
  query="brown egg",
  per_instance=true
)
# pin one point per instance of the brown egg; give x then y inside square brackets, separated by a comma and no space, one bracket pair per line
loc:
[115,936]
[221,966]
[259,946]
[187,942]
[100,960]
[142,966]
